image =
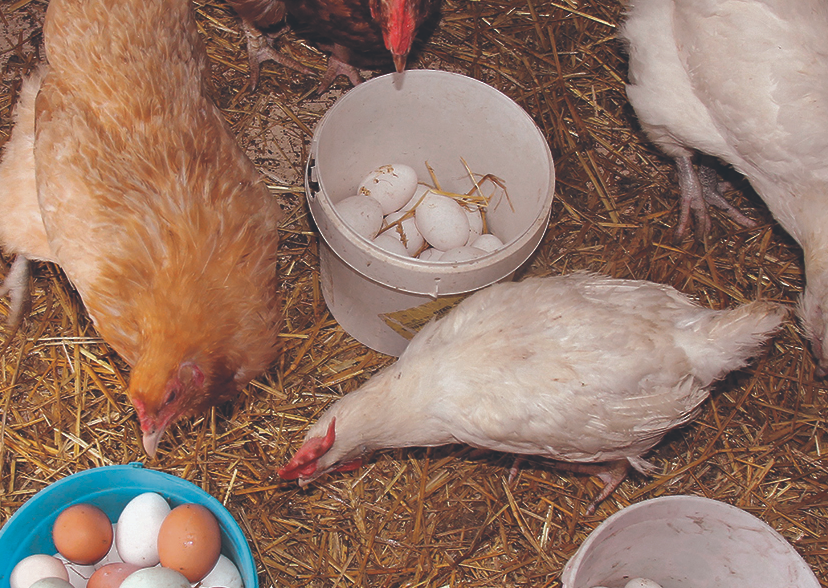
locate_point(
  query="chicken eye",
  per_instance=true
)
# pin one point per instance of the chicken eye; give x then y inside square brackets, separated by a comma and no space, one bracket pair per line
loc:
[170,398]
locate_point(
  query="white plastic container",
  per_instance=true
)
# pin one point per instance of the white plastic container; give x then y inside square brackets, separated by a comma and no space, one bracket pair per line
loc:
[687,541]
[416,117]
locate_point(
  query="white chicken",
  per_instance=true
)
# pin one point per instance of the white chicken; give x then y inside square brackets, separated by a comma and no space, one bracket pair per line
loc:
[744,81]
[581,368]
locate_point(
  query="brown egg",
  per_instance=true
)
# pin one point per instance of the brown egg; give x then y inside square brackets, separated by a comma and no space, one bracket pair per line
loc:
[82,534]
[189,541]
[111,575]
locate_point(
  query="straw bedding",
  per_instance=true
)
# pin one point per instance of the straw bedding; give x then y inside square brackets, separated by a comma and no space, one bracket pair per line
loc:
[445,516]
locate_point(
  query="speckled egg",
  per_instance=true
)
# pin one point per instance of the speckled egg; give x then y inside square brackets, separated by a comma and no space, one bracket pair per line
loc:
[138,526]
[82,533]
[189,541]
[391,185]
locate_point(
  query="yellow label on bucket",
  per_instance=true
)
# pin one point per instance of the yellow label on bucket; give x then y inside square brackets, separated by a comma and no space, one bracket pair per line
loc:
[409,321]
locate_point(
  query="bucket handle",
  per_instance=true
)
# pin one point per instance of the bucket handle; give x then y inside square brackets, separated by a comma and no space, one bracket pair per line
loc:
[310,181]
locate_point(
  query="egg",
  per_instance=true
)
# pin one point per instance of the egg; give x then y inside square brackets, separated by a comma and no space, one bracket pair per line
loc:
[406,231]
[112,555]
[82,533]
[155,578]
[111,575]
[388,243]
[431,254]
[51,583]
[642,583]
[422,190]
[190,541]
[224,574]
[362,214]
[488,243]
[475,223]
[391,185]
[463,253]
[36,567]
[137,534]
[79,574]
[442,222]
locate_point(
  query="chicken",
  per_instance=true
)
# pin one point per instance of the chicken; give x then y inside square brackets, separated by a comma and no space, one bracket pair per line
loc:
[357,32]
[745,81]
[147,203]
[580,368]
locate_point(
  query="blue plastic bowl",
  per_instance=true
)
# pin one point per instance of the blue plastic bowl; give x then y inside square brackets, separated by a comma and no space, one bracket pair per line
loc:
[110,488]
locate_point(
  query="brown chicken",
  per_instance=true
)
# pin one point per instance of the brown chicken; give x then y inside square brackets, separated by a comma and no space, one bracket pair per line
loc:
[147,203]
[358,33]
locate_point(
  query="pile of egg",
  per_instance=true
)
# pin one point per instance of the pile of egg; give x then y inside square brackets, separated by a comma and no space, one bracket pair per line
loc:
[151,546]
[403,216]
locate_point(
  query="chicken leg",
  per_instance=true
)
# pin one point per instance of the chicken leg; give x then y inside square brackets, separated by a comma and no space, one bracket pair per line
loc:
[16,285]
[259,50]
[698,191]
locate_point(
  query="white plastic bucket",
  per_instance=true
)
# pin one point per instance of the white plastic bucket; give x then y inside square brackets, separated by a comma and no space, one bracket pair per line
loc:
[416,117]
[687,541]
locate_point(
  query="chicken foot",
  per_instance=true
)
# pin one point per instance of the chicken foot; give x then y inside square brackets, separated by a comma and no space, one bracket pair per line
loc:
[260,50]
[698,191]
[16,285]
[338,66]
[610,473]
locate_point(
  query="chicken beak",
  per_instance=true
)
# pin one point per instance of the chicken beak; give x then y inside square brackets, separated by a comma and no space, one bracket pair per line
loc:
[151,440]
[399,62]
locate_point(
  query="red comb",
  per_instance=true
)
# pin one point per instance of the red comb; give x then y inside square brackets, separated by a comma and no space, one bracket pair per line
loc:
[304,463]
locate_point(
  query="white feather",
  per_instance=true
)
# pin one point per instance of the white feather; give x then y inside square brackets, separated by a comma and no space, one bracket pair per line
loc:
[745,81]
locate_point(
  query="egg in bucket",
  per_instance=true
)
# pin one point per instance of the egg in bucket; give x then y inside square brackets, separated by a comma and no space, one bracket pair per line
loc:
[422,118]
[687,541]
[110,488]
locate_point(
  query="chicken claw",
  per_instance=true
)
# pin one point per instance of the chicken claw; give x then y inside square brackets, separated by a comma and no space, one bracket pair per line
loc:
[700,189]
[260,50]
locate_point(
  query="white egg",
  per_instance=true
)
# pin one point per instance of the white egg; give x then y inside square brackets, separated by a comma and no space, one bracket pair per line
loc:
[391,185]
[112,556]
[138,526]
[431,254]
[642,583]
[36,567]
[223,575]
[418,195]
[488,243]
[406,231]
[463,253]
[78,574]
[442,221]
[475,223]
[155,578]
[51,583]
[362,214]
[391,245]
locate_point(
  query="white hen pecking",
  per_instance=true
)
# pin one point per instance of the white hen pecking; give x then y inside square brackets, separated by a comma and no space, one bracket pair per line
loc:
[745,81]
[582,368]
